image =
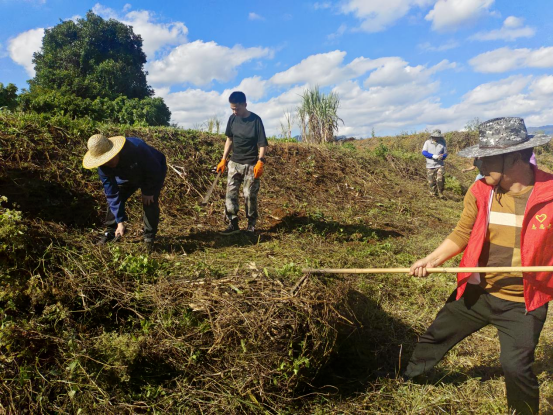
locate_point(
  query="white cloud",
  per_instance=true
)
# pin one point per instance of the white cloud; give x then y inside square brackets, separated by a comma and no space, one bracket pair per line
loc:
[255,16]
[322,69]
[428,47]
[512,29]
[322,5]
[507,59]
[449,15]
[22,47]
[200,63]
[543,86]
[399,72]
[378,15]
[495,91]
[192,107]
[155,36]
[255,88]
[338,33]
[3,52]
[327,69]
[105,12]
[74,18]
[395,97]
[513,22]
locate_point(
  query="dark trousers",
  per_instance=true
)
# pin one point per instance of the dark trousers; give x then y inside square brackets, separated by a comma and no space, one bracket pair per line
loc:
[150,216]
[518,331]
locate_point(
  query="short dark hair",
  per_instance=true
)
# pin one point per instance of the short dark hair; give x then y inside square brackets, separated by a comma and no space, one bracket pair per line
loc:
[237,97]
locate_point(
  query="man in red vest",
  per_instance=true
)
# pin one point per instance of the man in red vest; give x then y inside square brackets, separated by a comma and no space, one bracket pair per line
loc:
[507,221]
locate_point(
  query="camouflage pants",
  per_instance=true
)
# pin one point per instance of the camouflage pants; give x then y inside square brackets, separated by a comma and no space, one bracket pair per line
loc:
[238,174]
[435,179]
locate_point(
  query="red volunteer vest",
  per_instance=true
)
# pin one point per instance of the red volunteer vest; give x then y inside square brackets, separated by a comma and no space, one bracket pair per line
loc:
[536,240]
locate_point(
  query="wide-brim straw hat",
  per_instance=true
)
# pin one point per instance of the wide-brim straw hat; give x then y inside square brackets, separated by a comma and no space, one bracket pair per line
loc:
[101,150]
[501,136]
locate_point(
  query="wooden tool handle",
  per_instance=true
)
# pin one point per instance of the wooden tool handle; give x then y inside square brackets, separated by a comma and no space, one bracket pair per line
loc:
[406,270]
[208,194]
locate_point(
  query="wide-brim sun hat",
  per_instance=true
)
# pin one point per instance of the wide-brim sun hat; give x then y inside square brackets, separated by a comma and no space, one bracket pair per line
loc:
[436,134]
[501,136]
[101,150]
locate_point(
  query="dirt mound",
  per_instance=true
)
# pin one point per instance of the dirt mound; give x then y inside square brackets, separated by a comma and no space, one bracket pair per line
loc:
[206,323]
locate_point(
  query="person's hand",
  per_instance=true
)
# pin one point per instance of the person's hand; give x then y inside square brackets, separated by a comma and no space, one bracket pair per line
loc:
[440,156]
[418,269]
[147,200]
[435,156]
[120,231]
[221,166]
[258,169]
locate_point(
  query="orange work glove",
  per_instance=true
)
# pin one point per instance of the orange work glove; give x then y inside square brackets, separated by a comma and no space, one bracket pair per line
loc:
[221,166]
[258,169]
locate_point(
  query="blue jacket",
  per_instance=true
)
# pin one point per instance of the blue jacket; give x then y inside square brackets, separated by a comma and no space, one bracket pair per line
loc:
[140,166]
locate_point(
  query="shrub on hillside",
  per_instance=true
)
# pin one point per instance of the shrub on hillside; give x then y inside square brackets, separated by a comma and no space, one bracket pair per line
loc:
[121,110]
[12,230]
[8,96]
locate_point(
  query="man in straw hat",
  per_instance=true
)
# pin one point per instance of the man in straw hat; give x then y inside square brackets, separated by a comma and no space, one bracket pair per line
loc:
[507,220]
[125,165]
[434,149]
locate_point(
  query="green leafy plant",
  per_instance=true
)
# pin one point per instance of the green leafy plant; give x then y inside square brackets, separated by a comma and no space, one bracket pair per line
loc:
[12,229]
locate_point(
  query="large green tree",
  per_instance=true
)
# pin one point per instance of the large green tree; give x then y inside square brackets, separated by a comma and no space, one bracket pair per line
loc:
[8,96]
[94,68]
[92,58]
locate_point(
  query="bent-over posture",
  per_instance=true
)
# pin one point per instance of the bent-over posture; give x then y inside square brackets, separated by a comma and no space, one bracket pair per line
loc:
[124,166]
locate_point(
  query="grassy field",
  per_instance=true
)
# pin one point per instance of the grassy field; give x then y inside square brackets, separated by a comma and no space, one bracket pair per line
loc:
[208,324]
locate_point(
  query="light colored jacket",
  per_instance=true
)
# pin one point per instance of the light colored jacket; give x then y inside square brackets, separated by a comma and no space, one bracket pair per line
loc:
[434,147]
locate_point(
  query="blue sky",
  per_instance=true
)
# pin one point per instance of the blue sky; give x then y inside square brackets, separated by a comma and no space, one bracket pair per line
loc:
[397,65]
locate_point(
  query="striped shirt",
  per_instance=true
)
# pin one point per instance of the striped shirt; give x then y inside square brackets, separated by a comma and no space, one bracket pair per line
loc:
[502,244]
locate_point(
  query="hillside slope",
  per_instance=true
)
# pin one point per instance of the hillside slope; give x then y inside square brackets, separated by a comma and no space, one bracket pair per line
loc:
[208,323]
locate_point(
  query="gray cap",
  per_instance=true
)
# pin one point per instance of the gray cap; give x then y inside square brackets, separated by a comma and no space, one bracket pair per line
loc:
[503,135]
[436,134]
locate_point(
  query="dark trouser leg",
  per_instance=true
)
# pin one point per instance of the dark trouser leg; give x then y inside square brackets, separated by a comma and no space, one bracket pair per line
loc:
[151,218]
[234,180]
[251,190]
[151,213]
[455,321]
[518,335]
[124,193]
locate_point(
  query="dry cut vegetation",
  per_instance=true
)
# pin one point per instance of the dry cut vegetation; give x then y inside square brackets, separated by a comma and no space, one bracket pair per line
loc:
[208,324]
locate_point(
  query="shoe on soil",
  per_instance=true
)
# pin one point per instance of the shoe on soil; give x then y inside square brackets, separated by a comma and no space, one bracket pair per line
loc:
[150,245]
[107,237]
[232,228]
